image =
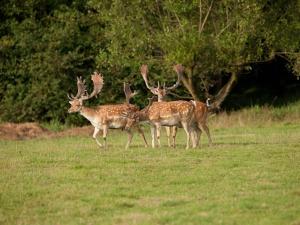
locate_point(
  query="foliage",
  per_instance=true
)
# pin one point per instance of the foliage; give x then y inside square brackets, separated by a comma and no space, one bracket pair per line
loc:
[42,53]
[258,116]
[44,45]
[211,38]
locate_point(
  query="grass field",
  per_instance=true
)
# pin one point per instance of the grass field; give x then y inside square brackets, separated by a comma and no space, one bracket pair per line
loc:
[250,176]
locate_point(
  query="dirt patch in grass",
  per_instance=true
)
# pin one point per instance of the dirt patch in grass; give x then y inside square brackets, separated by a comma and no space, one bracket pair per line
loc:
[23,131]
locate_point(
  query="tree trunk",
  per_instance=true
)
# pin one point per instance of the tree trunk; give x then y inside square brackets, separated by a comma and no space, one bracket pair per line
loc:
[188,83]
[217,99]
[224,91]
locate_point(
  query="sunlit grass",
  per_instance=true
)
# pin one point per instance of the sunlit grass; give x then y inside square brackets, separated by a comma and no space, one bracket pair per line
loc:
[250,176]
[258,116]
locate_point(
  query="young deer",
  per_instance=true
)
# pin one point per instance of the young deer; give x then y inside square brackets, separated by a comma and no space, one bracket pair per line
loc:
[103,117]
[169,114]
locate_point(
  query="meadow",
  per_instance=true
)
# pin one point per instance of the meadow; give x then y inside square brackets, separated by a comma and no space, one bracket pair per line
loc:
[251,175]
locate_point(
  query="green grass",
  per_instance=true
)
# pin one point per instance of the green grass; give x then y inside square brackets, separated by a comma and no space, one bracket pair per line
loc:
[250,176]
[258,116]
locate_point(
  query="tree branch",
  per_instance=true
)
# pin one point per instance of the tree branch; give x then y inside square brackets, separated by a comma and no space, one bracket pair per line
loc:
[206,16]
[189,86]
[200,17]
[224,91]
[218,35]
[178,20]
[180,97]
[254,62]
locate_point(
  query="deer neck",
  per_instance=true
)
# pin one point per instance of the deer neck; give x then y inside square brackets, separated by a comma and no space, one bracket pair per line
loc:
[143,115]
[160,99]
[87,113]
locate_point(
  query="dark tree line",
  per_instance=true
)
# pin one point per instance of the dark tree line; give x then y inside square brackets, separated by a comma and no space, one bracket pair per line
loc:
[44,45]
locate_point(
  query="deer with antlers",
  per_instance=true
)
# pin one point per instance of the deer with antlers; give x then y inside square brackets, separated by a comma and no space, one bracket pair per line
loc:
[199,121]
[161,92]
[103,117]
[200,114]
[169,114]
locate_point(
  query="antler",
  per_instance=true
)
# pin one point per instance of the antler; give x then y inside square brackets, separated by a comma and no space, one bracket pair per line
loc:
[97,82]
[179,70]
[81,89]
[144,72]
[128,93]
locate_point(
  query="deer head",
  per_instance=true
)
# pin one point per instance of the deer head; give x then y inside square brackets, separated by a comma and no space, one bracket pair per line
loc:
[134,117]
[77,101]
[161,92]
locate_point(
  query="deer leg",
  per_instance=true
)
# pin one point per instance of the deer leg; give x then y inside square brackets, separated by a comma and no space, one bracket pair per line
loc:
[96,130]
[153,135]
[143,135]
[105,129]
[130,135]
[168,131]
[198,136]
[205,128]
[187,130]
[158,134]
[195,136]
[174,132]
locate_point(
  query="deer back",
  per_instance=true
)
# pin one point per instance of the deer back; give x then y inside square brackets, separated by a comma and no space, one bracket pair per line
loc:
[182,110]
[111,115]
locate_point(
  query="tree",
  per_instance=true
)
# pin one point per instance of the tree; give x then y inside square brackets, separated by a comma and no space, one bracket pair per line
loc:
[212,39]
[44,45]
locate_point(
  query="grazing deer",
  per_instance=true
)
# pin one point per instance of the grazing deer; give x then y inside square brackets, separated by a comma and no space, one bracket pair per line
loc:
[169,114]
[103,117]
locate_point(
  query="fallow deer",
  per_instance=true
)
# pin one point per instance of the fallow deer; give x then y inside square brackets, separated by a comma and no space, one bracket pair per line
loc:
[161,92]
[102,117]
[135,117]
[200,121]
[169,114]
[200,115]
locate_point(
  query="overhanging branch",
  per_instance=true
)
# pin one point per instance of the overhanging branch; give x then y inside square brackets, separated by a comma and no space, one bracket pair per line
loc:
[181,97]
[224,91]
